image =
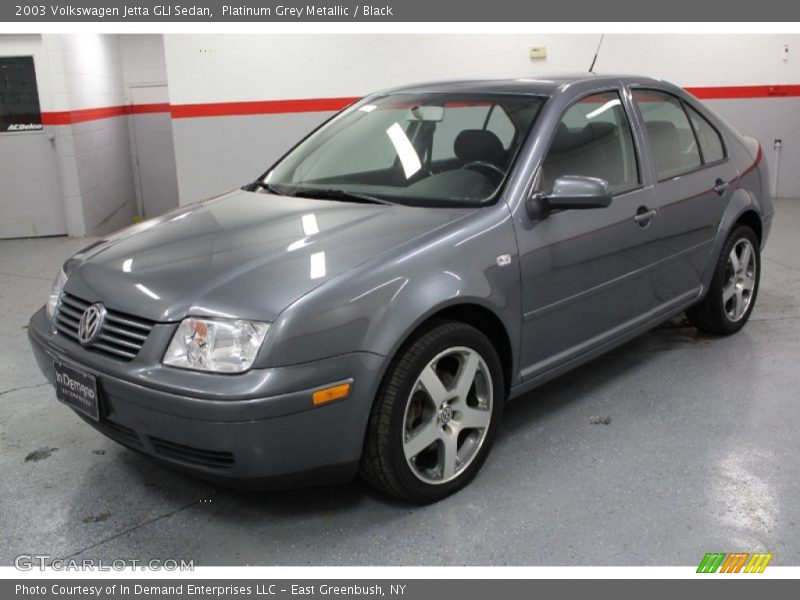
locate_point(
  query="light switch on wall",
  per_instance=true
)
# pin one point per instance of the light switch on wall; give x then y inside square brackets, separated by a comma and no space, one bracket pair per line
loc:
[538,52]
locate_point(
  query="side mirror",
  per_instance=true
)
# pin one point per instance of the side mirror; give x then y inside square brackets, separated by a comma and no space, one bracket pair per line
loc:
[570,191]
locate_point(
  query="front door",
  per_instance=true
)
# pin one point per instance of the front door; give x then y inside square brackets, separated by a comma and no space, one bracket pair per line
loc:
[587,274]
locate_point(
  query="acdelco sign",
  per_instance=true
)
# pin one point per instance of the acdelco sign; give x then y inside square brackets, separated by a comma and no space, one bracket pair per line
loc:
[24,127]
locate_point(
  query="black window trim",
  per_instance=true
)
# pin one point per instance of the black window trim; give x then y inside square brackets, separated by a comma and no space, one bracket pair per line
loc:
[683,103]
[636,150]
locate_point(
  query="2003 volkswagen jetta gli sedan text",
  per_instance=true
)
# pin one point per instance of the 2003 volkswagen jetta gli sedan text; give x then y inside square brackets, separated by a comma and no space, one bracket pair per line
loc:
[370,302]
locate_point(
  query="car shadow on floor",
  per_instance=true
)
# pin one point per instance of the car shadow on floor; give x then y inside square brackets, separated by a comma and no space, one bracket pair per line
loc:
[520,415]
[134,498]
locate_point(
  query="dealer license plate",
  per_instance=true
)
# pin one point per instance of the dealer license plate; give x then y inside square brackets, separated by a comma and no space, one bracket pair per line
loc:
[77,389]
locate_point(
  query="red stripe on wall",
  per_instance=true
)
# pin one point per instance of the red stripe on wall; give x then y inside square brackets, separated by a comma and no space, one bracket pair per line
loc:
[142,109]
[70,117]
[266,107]
[744,91]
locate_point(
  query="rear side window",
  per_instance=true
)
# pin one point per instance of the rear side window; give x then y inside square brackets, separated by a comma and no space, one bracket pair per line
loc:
[708,137]
[671,137]
[593,139]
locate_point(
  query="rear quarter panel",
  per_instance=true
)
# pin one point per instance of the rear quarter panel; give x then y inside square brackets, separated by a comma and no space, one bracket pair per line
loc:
[750,187]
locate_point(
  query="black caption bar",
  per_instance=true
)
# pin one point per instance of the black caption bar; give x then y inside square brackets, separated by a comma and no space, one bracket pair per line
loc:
[398,11]
[374,589]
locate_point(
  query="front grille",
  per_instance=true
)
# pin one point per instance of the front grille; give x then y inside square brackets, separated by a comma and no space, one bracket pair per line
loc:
[196,456]
[122,335]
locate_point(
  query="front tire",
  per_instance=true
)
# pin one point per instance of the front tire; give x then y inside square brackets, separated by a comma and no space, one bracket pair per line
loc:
[435,415]
[734,286]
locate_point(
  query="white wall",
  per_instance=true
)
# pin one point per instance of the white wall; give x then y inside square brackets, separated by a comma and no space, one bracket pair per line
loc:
[31,156]
[144,68]
[703,60]
[87,70]
[221,68]
[96,167]
[97,179]
[143,60]
[231,68]
[226,68]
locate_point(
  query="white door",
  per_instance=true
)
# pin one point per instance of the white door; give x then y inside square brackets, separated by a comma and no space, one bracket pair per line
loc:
[154,152]
[31,202]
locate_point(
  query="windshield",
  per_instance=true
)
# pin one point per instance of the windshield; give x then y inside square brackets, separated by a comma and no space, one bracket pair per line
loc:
[416,149]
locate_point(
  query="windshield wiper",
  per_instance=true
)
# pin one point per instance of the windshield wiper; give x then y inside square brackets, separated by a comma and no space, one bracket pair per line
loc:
[258,184]
[337,194]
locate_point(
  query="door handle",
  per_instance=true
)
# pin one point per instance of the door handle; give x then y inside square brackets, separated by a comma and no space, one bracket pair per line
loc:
[644,216]
[720,187]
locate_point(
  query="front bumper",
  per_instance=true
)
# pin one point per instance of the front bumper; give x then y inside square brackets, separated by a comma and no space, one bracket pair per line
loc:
[256,429]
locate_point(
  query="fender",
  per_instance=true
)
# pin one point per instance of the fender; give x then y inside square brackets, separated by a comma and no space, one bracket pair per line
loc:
[376,306]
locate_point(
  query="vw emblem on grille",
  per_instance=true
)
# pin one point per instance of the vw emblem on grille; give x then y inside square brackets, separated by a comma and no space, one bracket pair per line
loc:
[91,323]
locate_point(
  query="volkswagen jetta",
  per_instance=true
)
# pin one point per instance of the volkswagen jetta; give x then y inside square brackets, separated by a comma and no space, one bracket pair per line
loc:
[369,303]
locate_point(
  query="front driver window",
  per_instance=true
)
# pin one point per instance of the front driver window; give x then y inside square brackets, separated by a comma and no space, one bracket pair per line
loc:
[593,139]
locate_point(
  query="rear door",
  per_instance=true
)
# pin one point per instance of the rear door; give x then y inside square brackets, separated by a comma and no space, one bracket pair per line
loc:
[587,274]
[693,175]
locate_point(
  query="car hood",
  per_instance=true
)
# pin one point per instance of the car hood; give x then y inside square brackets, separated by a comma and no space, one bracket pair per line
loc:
[244,254]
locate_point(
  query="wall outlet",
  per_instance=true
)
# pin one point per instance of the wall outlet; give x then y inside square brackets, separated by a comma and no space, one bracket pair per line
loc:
[538,52]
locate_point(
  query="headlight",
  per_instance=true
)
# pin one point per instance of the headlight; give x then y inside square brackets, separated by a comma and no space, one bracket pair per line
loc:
[227,346]
[55,292]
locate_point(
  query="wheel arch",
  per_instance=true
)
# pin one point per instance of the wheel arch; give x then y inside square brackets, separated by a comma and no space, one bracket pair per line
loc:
[742,209]
[752,219]
[472,313]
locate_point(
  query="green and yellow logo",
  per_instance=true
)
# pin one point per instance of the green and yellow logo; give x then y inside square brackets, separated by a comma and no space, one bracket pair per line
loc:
[734,562]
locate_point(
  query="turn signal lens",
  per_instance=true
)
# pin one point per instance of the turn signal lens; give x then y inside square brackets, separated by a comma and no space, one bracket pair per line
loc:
[337,392]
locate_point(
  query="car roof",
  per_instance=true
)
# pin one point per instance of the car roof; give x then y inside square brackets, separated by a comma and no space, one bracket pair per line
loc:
[536,84]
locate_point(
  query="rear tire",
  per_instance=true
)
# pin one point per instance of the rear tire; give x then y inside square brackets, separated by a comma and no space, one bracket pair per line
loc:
[734,286]
[435,415]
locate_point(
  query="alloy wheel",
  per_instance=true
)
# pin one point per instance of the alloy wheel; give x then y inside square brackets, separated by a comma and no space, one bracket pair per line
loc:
[740,280]
[447,415]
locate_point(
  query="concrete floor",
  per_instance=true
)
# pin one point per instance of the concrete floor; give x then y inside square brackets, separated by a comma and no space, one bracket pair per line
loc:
[701,454]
